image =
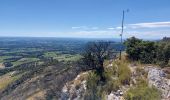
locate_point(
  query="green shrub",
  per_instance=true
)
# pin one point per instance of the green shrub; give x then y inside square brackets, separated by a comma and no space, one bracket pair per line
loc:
[142,92]
[117,75]
[148,52]
[112,85]
[124,73]
[92,87]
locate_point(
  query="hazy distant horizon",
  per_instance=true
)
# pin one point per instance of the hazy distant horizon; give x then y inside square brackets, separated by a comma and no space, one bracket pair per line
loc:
[84,38]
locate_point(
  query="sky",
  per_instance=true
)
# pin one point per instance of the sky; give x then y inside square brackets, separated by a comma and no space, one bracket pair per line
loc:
[146,19]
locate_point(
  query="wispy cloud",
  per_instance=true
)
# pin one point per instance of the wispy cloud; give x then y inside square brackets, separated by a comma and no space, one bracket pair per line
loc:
[116,34]
[150,25]
[85,28]
[111,28]
[119,27]
[148,34]
[75,27]
[140,30]
[80,27]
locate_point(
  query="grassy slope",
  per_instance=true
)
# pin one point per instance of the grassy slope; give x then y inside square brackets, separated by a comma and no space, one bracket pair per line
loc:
[40,81]
[8,78]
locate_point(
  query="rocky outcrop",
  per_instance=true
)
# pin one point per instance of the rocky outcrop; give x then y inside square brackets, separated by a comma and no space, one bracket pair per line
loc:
[75,89]
[156,77]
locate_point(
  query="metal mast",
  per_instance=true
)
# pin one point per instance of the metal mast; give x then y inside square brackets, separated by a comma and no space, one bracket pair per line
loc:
[123,17]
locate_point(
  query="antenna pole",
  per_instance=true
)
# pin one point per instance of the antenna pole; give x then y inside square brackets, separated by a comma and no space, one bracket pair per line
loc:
[122,34]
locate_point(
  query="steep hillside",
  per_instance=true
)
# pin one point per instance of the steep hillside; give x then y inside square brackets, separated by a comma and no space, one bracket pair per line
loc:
[44,82]
[144,81]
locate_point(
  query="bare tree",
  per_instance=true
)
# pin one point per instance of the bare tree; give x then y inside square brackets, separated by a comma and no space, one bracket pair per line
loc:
[95,54]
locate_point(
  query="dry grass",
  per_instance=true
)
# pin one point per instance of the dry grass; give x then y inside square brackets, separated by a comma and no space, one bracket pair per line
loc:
[39,95]
[6,79]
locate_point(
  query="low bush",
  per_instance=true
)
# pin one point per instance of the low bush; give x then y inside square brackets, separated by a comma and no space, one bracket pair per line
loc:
[142,92]
[92,87]
[124,73]
[148,52]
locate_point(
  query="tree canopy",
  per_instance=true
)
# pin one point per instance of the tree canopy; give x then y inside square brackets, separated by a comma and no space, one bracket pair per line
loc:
[147,51]
[95,54]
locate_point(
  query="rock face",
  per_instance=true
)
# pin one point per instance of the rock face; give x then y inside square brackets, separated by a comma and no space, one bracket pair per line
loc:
[75,89]
[156,77]
[115,96]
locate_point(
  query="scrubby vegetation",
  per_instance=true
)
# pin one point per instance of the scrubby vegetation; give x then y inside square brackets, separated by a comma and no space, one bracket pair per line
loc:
[92,87]
[142,92]
[124,73]
[94,55]
[148,52]
[116,76]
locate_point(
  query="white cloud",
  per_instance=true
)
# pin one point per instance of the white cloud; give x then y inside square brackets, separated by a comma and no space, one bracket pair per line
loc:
[119,28]
[150,25]
[148,34]
[116,34]
[75,27]
[111,28]
[85,28]
[131,30]
[80,27]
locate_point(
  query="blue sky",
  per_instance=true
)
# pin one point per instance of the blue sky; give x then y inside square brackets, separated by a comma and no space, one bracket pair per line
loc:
[84,18]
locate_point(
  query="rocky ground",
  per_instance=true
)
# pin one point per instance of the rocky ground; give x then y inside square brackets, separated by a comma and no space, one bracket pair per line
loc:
[75,89]
[157,78]
[69,84]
